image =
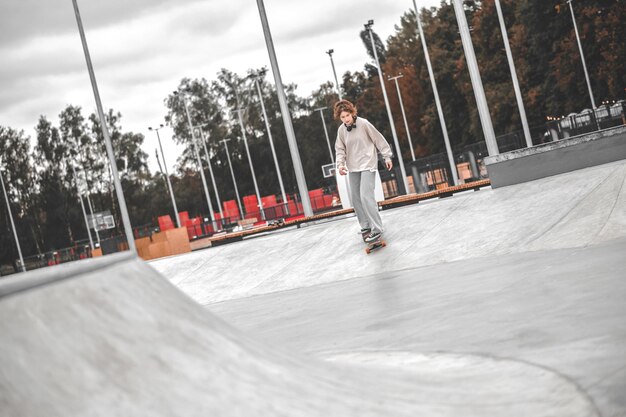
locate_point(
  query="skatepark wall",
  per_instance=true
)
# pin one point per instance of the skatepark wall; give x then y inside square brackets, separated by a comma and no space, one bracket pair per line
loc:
[558,157]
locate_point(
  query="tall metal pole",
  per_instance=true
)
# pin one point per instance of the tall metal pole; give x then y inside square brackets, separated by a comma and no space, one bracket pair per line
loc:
[330,151]
[518,93]
[245,142]
[128,230]
[89,206]
[232,173]
[203,178]
[368,27]
[330,54]
[167,175]
[17,241]
[406,124]
[82,206]
[208,162]
[582,55]
[95,229]
[477,84]
[269,136]
[442,120]
[195,149]
[284,109]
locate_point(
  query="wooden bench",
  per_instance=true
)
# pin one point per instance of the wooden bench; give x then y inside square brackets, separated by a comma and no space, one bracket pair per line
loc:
[247,223]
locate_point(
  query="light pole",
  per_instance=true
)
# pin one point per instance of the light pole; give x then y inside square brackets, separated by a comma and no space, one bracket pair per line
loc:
[202,176]
[269,135]
[582,55]
[82,206]
[167,175]
[321,110]
[368,27]
[442,120]
[477,84]
[89,206]
[128,230]
[208,162]
[245,142]
[232,173]
[95,228]
[406,124]
[195,148]
[518,93]
[17,242]
[330,54]
[284,109]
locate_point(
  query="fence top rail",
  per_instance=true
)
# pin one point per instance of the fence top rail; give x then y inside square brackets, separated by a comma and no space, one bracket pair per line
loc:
[563,143]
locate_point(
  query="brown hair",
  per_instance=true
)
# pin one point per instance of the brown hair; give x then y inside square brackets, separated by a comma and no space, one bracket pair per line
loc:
[343,105]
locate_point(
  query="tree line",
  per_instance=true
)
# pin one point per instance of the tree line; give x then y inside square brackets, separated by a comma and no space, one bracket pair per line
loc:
[43,189]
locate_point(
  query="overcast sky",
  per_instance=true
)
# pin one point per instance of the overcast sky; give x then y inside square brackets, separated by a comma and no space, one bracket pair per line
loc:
[142,48]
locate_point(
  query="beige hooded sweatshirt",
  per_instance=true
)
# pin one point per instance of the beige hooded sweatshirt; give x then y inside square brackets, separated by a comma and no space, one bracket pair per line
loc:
[357,149]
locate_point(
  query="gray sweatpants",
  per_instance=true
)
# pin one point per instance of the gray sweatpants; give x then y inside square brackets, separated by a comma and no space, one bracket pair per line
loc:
[364,200]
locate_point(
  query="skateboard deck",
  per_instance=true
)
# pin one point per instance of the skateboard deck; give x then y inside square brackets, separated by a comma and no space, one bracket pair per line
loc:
[375,246]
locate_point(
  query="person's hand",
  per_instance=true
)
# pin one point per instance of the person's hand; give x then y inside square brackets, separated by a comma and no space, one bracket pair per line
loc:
[389,165]
[343,171]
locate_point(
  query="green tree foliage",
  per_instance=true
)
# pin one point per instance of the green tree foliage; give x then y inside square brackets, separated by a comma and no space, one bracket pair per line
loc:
[44,191]
[19,181]
[54,190]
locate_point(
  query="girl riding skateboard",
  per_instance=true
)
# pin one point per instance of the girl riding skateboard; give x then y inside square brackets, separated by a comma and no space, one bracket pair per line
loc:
[357,146]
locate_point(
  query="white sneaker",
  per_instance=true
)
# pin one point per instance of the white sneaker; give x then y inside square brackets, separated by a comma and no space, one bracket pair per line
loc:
[373,237]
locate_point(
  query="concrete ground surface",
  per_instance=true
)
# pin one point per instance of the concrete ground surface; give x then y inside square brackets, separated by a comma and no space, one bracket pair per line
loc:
[534,273]
[560,310]
[506,302]
[573,210]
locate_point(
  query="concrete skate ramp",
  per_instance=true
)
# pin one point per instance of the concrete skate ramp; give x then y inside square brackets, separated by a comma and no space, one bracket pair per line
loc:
[573,210]
[111,337]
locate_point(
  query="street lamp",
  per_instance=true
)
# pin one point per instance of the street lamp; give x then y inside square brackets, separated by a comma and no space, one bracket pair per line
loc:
[195,148]
[442,120]
[368,27]
[82,206]
[406,124]
[518,93]
[245,142]
[208,162]
[582,55]
[107,139]
[269,135]
[91,208]
[167,175]
[284,110]
[17,242]
[330,54]
[232,173]
[477,84]
[79,161]
[321,110]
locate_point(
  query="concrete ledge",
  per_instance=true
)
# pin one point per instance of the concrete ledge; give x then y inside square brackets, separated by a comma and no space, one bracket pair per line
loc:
[29,280]
[555,158]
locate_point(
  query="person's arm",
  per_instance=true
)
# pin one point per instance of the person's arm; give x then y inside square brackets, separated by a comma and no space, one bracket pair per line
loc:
[340,153]
[381,144]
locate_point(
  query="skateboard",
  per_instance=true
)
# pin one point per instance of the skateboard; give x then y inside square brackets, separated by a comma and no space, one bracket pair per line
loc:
[377,244]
